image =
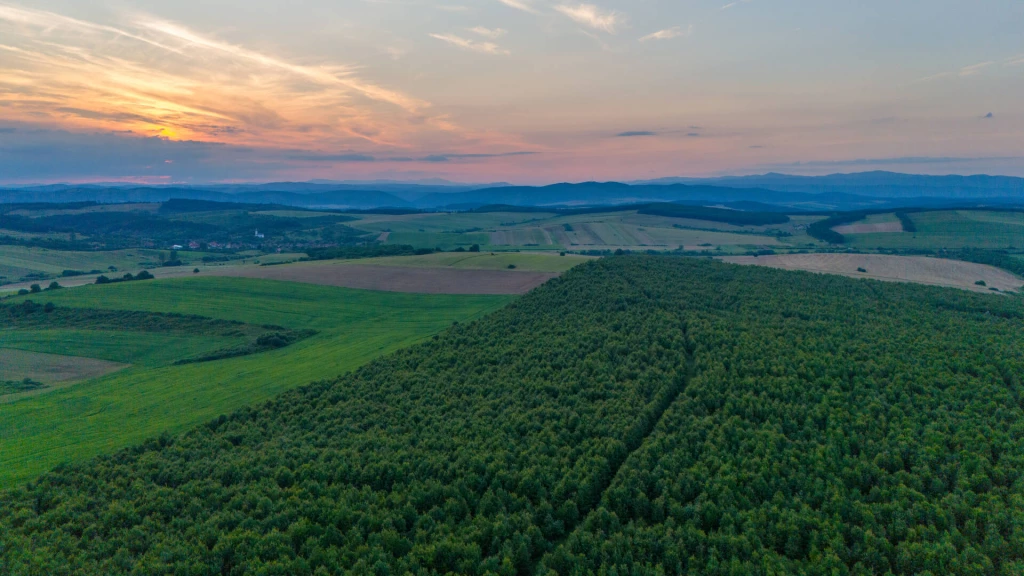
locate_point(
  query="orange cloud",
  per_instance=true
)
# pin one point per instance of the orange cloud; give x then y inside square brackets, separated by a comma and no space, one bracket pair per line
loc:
[154,77]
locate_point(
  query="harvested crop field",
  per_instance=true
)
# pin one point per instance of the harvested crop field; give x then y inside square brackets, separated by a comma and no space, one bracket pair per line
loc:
[51,368]
[399,279]
[919,269]
[870,228]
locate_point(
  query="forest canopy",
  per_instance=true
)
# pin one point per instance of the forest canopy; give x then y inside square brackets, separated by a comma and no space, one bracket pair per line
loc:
[639,415]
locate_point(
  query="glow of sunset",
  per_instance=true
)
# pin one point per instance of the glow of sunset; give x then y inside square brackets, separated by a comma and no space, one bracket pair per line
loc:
[529,91]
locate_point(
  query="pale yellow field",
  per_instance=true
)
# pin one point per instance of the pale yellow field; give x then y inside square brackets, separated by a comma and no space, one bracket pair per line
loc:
[919,269]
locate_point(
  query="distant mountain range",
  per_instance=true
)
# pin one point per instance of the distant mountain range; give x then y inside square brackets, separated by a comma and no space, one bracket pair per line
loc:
[871,184]
[766,192]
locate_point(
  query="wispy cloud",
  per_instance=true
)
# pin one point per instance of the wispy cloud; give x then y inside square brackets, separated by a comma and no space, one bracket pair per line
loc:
[592,16]
[467,44]
[152,77]
[519,5]
[734,4]
[965,72]
[635,133]
[492,33]
[974,69]
[668,33]
[1017,60]
[341,76]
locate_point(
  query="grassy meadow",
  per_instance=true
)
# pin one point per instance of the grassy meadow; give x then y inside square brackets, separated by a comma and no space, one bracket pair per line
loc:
[17,262]
[152,396]
[952,229]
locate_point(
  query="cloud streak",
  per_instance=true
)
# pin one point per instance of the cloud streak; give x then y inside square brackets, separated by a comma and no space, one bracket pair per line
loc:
[519,5]
[467,44]
[492,33]
[152,77]
[668,33]
[591,16]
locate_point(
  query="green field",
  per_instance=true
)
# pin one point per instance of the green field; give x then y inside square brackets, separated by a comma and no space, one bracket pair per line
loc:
[443,240]
[152,397]
[523,261]
[951,230]
[16,262]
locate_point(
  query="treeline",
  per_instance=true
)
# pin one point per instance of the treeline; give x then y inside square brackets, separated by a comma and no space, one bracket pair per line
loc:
[997,258]
[263,343]
[672,210]
[907,222]
[28,314]
[640,415]
[8,387]
[174,222]
[128,277]
[823,229]
[360,251]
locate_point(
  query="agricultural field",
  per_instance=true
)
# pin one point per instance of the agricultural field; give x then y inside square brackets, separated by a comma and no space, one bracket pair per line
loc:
[415,279]
[951,230]
[193,259]
[540,231]
[153,395]
[48,369]
[521,261]
[639,415]
[874,223]
[917,269]
[18,262]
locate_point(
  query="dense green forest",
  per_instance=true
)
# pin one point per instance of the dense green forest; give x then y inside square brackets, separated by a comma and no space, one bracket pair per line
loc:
[639,415]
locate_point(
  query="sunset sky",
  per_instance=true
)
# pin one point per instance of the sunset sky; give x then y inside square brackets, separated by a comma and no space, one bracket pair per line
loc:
[524,91]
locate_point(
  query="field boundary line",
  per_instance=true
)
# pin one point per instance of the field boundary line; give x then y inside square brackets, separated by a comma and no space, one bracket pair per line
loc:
[635,440]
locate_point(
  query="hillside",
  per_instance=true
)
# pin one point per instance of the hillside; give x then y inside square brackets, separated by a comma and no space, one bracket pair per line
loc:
[640,415]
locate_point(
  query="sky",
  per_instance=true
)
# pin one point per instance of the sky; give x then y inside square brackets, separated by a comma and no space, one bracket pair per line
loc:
[521,91]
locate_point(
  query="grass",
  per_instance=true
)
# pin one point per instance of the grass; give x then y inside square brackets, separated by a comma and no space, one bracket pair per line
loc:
[951,230]
[523,261]
[445,240]
[19,261]
[137,348]
[107,413]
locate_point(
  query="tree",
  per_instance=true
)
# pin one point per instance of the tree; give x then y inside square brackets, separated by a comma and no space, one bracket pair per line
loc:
[54,286]
[35,288]
[474,248]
